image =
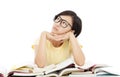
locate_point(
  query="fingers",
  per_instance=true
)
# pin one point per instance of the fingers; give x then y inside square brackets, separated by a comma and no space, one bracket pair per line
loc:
[56,37]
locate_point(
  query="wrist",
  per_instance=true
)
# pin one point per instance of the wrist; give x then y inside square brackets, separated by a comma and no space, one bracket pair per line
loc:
[71,34]
[71,37]
[44,35]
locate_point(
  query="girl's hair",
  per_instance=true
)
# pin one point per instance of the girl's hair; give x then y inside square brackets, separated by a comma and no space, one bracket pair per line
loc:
[77,23]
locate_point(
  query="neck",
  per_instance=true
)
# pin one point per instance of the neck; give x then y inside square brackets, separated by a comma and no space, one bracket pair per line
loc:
[57,43]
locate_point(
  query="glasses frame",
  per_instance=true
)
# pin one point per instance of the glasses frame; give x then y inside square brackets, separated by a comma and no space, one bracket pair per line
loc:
[61,20]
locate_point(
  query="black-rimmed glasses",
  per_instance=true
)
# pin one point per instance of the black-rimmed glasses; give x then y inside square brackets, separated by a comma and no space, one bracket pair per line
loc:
[63,23]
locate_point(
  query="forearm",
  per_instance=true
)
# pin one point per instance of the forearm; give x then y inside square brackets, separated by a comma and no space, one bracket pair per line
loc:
[40,57]
[76,51]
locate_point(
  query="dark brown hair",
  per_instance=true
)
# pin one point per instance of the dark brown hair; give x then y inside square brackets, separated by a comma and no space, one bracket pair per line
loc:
[77,23]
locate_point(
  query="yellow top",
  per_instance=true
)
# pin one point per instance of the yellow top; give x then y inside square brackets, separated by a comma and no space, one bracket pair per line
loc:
[56,55]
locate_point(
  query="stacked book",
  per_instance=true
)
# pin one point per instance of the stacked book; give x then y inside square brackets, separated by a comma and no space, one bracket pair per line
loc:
[65,68]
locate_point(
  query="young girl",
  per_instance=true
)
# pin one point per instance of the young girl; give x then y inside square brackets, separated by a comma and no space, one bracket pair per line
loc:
[61,43]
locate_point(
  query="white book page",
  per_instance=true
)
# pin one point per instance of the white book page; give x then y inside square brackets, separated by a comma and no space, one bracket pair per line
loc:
[28,74]
[61,65]
[69,70]
[111,70]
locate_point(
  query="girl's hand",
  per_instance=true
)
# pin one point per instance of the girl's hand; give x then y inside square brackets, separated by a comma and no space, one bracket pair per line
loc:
[62,37]
[53,37]
[67,35]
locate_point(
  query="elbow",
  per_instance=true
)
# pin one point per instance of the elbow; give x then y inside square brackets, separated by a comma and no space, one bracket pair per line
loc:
[80,62]
[40,65]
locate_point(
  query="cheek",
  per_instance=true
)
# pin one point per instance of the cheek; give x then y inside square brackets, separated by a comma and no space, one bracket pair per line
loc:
[64,31]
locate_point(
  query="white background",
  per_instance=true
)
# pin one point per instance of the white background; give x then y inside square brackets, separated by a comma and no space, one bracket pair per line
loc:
[22,21]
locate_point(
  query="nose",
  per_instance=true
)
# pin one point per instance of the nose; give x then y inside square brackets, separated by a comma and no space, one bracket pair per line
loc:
[58,24]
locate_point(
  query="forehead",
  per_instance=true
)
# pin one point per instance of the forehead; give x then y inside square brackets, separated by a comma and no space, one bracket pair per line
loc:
[67,18]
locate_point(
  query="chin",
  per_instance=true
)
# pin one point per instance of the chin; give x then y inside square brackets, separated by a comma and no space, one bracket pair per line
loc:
[56,32]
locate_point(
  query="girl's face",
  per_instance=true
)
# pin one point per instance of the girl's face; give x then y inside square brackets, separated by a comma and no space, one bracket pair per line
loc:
[62,24]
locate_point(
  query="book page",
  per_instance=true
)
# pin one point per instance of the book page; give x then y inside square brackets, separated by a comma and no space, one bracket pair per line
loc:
[81,75]
[108,70]
[61,65]
[69,71]
[28,74]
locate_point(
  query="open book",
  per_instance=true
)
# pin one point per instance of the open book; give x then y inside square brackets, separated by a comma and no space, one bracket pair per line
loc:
[97,70]
[62,69]
[109,71]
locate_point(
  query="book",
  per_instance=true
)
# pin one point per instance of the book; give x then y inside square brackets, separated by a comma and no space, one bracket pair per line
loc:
[107,71]
[60,69]
[97,70]
[81,75]
[88,70]
[65,68]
